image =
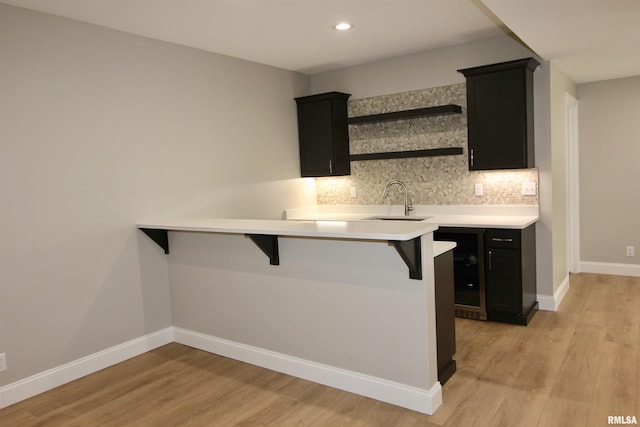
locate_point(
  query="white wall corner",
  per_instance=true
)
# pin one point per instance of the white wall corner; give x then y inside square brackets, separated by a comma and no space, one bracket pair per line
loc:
[551,303]
[55,377]
[424,401]
[610,268]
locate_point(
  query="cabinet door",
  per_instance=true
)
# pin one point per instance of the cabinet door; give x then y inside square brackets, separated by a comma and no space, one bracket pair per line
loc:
[500,115]
[503,281]
[323,135]
[497,121]
[316,138]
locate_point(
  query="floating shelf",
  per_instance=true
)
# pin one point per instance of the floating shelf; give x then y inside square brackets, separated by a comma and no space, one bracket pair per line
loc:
[452,151]
[440,110]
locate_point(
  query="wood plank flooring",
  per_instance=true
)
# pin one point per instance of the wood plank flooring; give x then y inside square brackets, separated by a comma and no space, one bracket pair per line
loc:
[573,367]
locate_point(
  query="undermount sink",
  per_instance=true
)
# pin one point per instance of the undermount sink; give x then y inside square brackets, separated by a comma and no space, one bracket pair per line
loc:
[397,218]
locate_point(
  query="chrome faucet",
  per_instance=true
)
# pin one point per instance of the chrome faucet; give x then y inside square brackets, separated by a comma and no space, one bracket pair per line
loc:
[408,207]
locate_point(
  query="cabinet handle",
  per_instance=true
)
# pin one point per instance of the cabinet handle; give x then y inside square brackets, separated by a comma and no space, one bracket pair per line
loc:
[501,239]
[472,157]
[490,261]
[330,166]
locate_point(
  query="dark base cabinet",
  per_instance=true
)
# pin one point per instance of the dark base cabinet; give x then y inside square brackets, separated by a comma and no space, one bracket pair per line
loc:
[510,275]
[494,273]
[445,316]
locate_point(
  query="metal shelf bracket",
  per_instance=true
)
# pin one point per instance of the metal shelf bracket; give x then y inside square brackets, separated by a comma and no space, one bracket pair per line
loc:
[268,244]
[161,237]
[411,253]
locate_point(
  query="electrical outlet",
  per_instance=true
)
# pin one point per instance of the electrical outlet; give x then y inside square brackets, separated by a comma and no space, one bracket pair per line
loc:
[354,192]
[529,188]
[631,251]
[3,362]
[479,190]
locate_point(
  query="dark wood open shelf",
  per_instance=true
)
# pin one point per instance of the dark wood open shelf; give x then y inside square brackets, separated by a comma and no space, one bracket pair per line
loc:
[440,110]
[451,151]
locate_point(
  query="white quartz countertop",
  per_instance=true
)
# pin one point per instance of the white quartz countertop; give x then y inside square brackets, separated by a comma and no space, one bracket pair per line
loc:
[516,217]
[440,247]
[365,230]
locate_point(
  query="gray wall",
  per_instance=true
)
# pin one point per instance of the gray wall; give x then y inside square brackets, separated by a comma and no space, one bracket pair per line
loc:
[101,129]
[560,86]
[419,71]
[609,117]
[552,85]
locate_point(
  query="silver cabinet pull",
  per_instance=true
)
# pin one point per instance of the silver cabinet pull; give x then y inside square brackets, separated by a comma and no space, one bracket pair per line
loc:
[501,239]
[472,157]
[490,261]
[330,166]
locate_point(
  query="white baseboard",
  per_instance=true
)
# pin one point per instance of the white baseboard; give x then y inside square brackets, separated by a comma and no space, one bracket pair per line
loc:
[551,303]
[52,378]
[425,401]
[610,268]
[421,400]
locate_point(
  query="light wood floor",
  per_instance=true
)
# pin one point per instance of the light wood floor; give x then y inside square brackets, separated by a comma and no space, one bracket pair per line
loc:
[573,367]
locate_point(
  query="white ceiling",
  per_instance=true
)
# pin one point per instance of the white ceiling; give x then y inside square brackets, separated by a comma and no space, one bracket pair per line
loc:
[588,39]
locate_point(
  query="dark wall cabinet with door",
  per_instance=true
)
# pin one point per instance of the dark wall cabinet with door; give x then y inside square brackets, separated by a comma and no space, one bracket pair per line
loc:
[323,134]
[500,115]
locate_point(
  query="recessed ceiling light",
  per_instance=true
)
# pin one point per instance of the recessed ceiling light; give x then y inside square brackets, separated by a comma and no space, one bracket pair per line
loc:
[343,26]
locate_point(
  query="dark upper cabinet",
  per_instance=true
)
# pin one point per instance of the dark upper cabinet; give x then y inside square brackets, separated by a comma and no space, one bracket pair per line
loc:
[500,115]
[323,134]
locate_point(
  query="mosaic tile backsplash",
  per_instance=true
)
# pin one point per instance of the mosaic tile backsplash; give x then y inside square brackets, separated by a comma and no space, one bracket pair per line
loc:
[441,180]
